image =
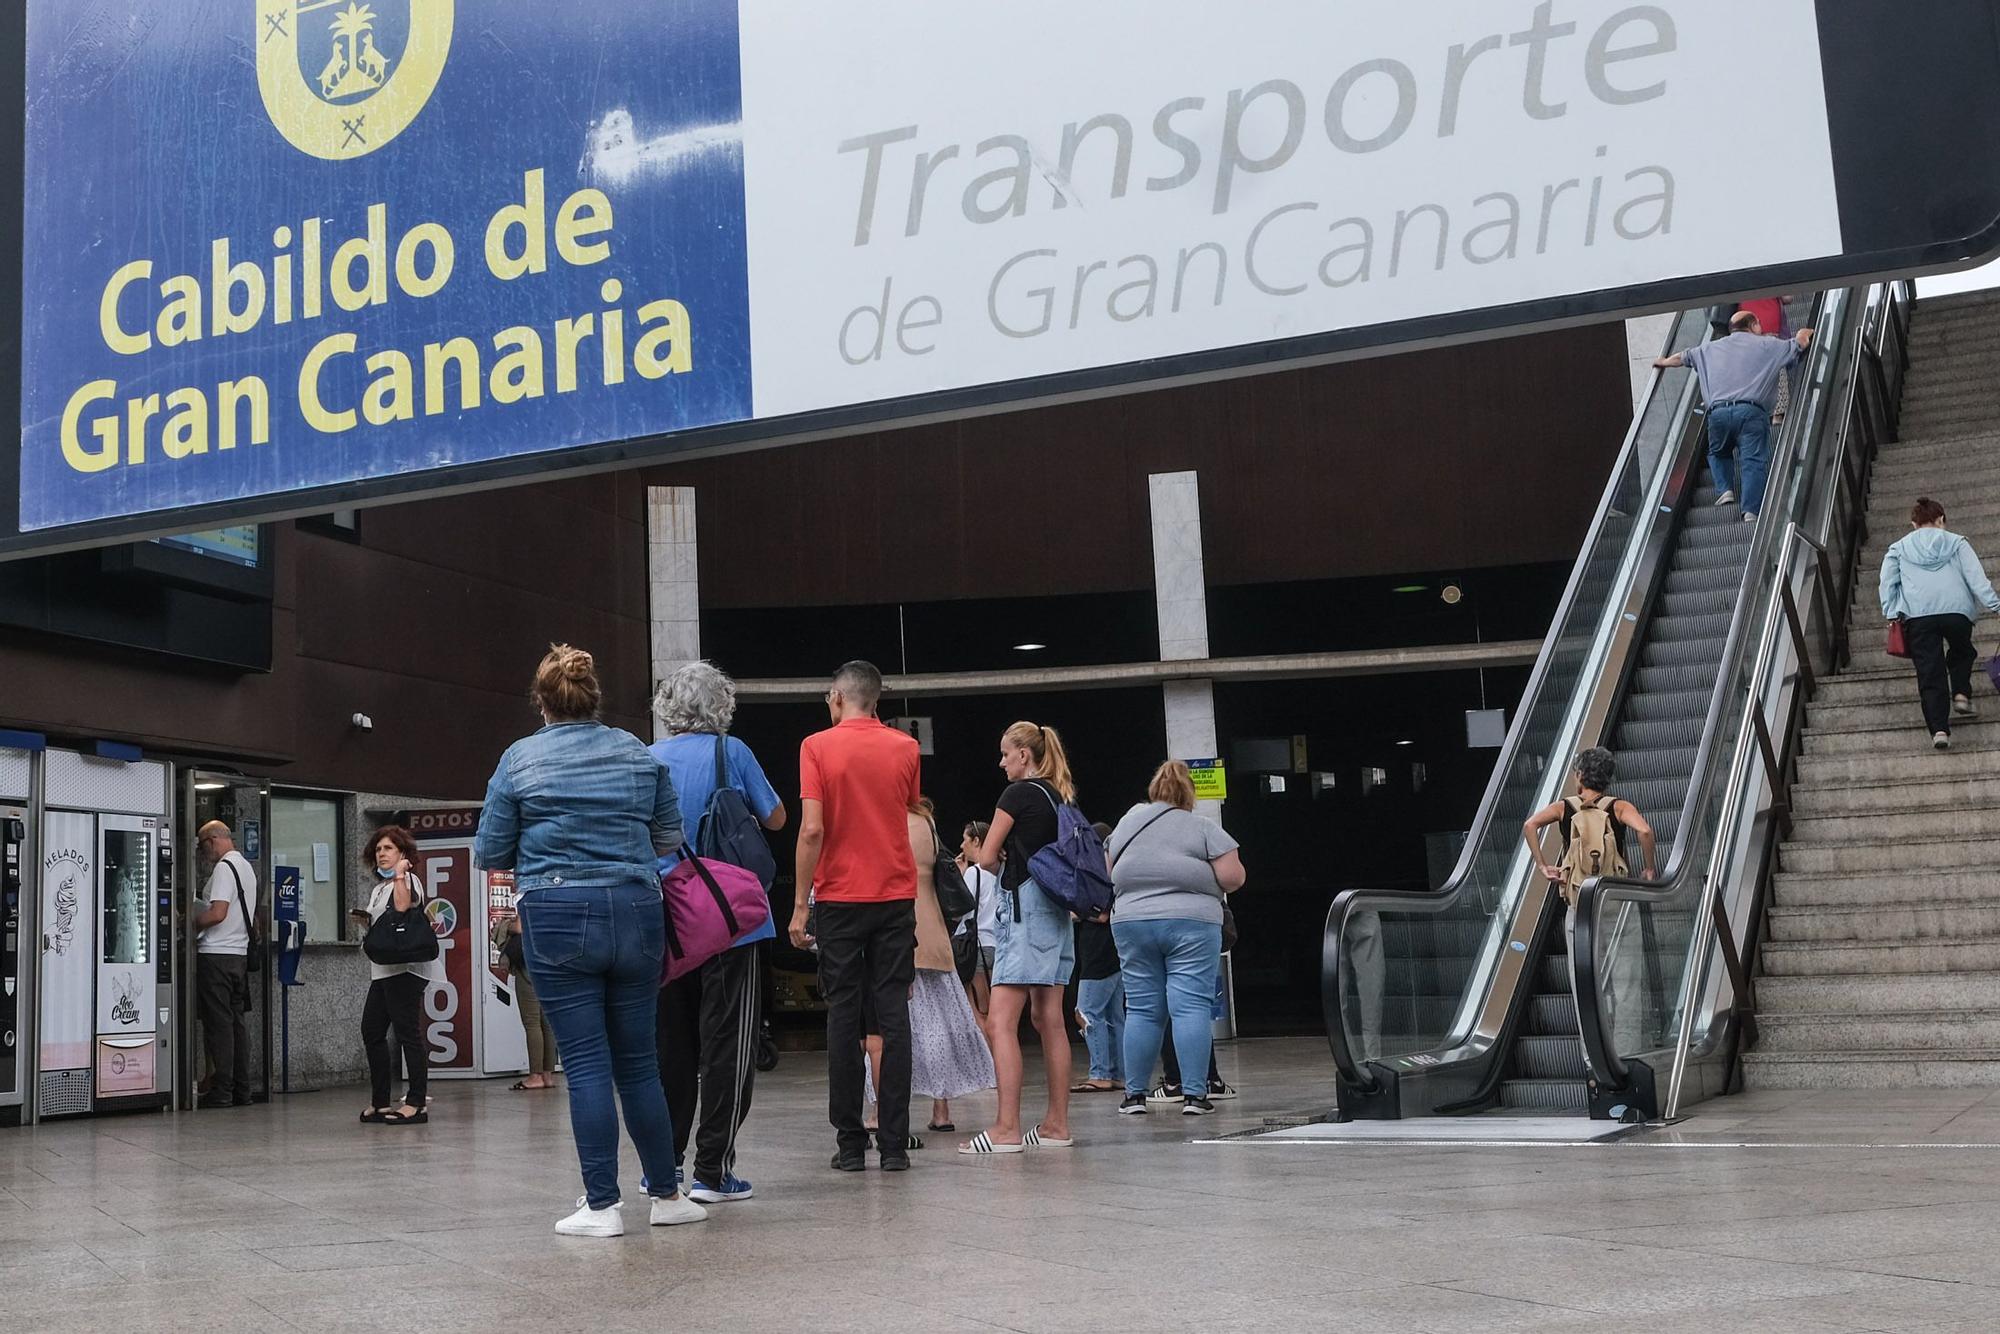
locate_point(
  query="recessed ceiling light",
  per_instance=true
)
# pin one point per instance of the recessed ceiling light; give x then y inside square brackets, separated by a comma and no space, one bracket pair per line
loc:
[1029,648]
[1406,743]
[210,787]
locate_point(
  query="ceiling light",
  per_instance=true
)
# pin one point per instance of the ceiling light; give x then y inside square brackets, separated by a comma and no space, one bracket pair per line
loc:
[1029,648]
[1406,743]
[210,787]
[1411,588]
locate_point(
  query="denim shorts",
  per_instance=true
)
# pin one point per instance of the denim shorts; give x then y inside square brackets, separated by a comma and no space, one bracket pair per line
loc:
[1040,949]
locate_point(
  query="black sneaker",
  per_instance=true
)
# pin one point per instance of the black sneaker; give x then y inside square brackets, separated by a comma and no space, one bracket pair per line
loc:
[1197,1107]
[1134,1105]
[850,1162]
[1166,1093]
[1219,1091]
[895,1162]
[214,1101]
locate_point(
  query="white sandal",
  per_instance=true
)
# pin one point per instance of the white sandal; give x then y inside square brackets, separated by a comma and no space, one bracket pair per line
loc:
[983,1143]
[1035,1139]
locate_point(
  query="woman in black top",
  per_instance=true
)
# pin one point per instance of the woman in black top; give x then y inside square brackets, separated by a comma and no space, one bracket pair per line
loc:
[1034,952]
[1100,1002]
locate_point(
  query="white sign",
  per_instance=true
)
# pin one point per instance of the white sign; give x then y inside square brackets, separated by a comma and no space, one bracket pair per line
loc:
[948,196]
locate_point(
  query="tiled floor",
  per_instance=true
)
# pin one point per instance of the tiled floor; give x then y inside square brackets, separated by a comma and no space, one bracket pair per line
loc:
[1774,1211]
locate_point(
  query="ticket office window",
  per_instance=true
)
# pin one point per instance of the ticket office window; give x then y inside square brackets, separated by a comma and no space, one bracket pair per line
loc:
[306,833]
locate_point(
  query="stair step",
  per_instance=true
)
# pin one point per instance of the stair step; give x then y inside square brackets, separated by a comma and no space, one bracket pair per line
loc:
[1893,688]
[1793,889]
[1821,958]
[1898,736]
[1887,923]
[1891,802]
[1909,826]
[1872,1069]
[1888,713]
[1820,771]
[1914,993]
[1947,1031]
[1827,857]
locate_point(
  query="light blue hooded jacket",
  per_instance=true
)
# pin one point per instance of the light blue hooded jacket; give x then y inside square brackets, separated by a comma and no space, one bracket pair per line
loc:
[1933,572]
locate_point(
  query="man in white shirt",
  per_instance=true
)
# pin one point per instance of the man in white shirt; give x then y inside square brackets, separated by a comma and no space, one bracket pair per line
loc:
[222,977]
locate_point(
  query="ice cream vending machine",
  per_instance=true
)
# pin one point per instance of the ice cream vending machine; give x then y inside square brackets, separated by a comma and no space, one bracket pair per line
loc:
[106,926]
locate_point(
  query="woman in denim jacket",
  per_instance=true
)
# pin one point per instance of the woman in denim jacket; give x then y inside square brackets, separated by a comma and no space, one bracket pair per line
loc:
[579,812]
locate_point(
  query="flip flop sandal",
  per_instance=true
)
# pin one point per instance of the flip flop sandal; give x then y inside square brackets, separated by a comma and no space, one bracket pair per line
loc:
[519,1086]
[946,1129]
[982,1143]
[1090,1086]
[1035,1139]
[915,1142]
[371,1117]
[398,1119]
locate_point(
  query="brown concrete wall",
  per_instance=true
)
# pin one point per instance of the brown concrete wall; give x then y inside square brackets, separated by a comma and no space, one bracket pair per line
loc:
[1486,455]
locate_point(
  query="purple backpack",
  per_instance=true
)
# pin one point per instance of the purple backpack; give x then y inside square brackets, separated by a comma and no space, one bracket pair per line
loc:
[709,905]
[1071,870]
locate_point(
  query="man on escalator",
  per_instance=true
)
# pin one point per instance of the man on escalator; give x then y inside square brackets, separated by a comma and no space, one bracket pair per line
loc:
[1739,378]
[1593,824]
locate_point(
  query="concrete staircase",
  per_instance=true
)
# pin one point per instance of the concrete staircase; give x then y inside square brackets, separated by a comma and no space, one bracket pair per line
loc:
[1881,961]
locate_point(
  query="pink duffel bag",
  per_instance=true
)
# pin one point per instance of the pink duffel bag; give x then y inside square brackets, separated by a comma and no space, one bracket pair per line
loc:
[709,906]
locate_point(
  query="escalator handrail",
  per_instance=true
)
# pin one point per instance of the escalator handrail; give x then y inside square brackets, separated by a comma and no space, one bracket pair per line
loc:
[1672,883]
[1439,900]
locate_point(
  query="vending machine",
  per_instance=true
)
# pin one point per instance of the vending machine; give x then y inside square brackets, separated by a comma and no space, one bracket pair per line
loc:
[105,997]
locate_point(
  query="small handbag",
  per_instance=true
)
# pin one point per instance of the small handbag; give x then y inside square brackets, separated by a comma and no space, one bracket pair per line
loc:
[1899,645]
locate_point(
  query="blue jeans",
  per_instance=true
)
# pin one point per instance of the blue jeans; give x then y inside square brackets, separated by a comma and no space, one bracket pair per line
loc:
[1740,432]
[1169,971]
[1102,1001]
[594,952]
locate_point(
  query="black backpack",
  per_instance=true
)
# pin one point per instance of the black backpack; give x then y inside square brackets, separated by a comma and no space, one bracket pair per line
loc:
[729,830]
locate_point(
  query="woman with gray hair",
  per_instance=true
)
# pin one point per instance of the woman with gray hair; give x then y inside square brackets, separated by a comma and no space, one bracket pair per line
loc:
[708,1019]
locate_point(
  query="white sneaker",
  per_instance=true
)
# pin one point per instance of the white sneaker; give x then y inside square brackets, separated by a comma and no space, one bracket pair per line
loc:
[1941,741]
[589,1222]
[1961,707]
[1726,498]
[680,1209]
[1749,518]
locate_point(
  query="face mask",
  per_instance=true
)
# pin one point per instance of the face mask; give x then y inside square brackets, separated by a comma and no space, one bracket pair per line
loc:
[385,873]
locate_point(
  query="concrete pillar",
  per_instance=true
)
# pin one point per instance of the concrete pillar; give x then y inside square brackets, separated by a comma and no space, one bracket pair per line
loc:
[1180,592]
[672,581]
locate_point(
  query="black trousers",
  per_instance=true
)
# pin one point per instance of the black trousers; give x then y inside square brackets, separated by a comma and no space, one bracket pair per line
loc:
[396,1002]
[1170,1062]
[222,992]
[867,949]
[708,1046]
[1942,652]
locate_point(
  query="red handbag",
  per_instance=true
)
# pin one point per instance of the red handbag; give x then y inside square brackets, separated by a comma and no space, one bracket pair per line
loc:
[1898,647]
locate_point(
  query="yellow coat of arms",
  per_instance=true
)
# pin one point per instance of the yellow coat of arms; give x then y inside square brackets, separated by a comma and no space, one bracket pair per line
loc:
[365,91]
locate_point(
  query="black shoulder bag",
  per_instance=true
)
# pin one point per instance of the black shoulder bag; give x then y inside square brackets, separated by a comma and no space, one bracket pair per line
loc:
[401,935]
[255,949]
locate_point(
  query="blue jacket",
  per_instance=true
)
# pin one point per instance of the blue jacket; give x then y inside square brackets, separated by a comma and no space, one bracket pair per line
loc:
[1933,572]
[578,804]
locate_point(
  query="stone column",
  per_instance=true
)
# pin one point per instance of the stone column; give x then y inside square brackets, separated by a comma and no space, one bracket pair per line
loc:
[1180,591]
[672,581]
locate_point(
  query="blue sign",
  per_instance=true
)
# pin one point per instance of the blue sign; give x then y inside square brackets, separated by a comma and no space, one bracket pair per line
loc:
[283,244]
[285,894]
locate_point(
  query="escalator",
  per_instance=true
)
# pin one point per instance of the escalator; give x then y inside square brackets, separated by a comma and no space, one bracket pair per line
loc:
[1460,1001]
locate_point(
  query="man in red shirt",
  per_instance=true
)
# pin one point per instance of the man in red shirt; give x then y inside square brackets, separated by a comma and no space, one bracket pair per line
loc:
[857,782]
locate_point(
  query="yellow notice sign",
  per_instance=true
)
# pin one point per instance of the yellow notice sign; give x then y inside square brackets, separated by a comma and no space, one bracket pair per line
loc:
[1211,779]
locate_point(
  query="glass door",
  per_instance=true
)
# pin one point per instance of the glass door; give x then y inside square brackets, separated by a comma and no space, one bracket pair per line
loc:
[243,805]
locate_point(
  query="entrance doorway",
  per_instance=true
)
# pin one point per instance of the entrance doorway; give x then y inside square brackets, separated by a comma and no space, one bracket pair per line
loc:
[244,804]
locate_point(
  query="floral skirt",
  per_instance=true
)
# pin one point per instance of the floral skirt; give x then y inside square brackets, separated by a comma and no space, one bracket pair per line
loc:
[949,1057]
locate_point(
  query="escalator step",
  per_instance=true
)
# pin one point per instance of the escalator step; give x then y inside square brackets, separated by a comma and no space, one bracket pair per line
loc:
[1553,979]
[1662,705]
[1713,579]
[1671,629]
[1551,1095]
[1552,1016]
[1551,1057]
[1680,653]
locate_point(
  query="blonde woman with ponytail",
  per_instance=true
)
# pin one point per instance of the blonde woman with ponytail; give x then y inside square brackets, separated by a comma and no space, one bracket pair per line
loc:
[1034,947]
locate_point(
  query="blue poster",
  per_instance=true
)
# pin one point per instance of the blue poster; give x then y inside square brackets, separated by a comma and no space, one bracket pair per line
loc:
[282,244]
